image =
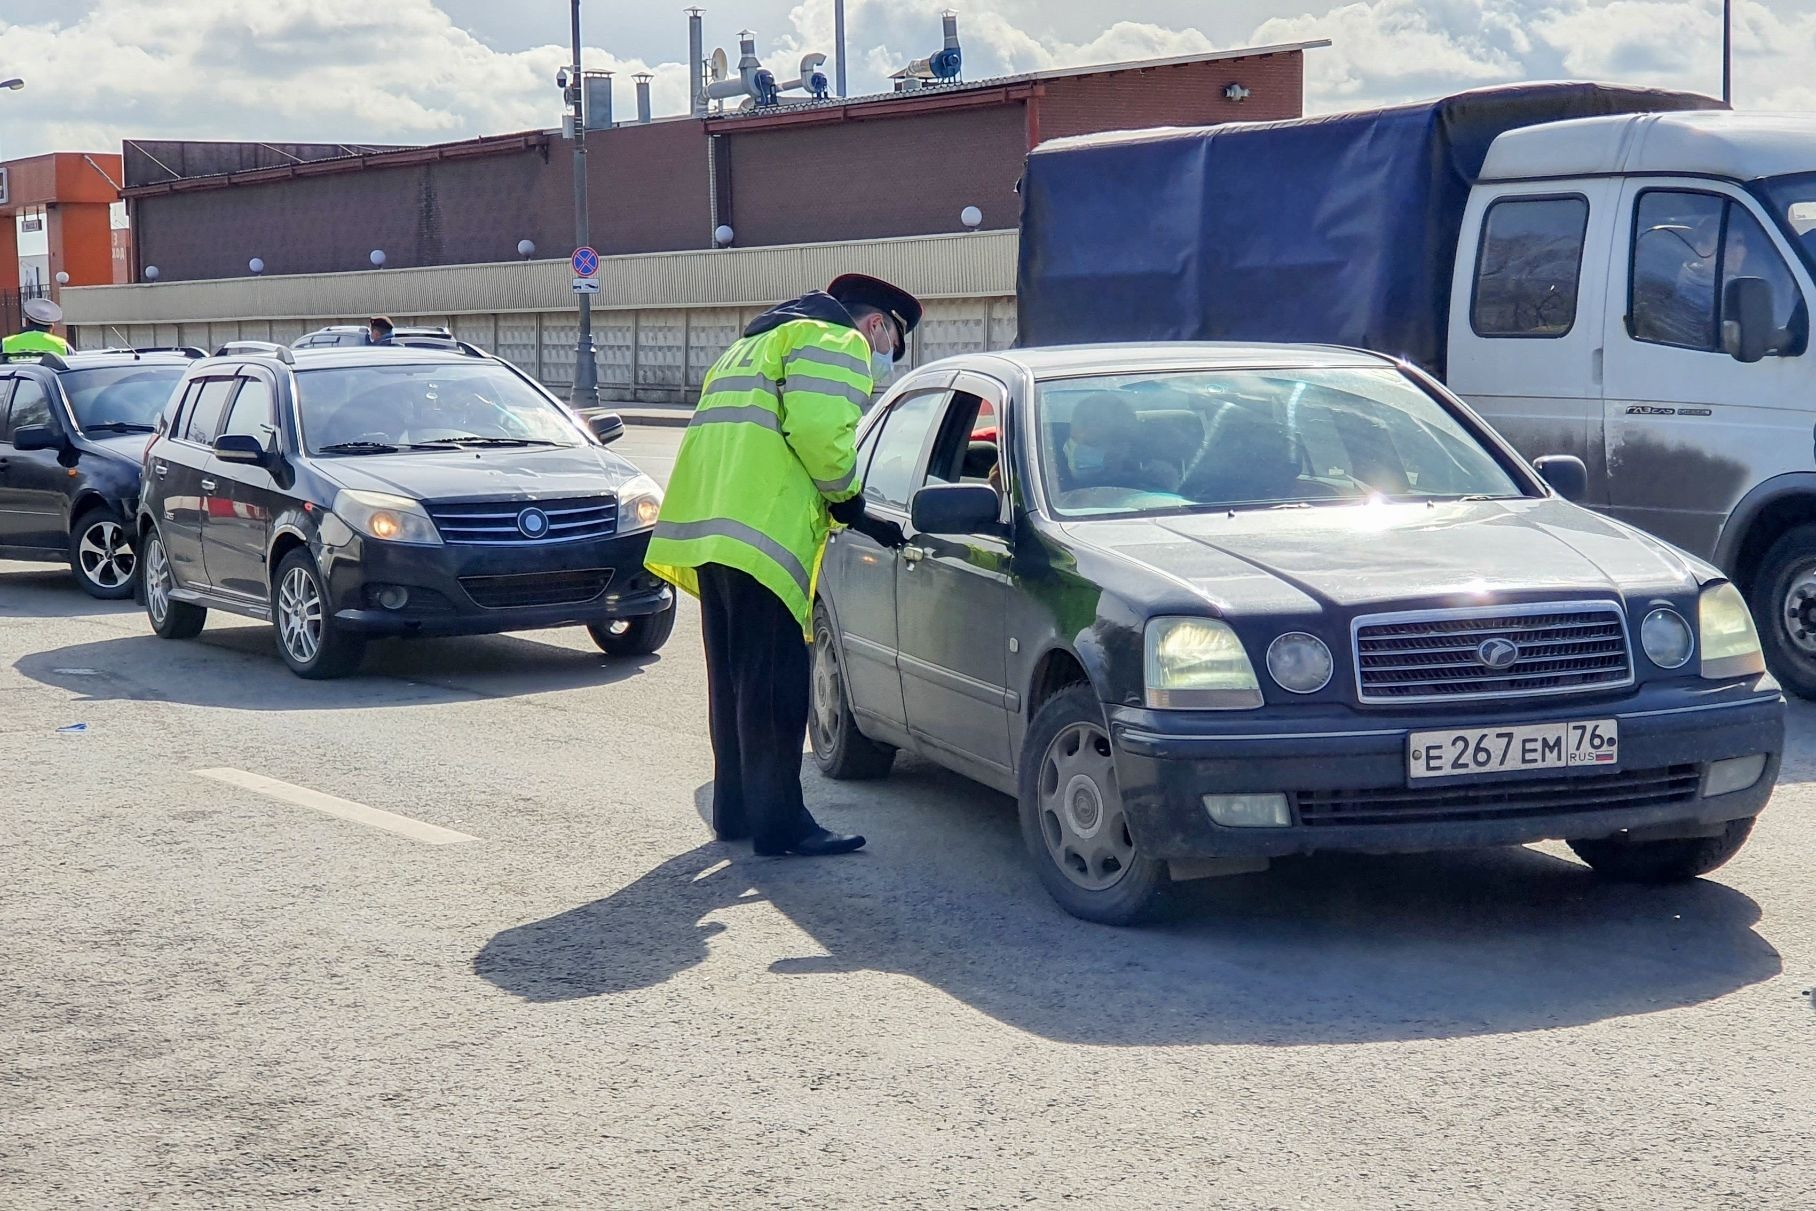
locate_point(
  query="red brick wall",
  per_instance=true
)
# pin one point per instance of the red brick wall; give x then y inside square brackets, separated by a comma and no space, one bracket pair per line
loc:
[1187,95]
[646,188]
[876,178]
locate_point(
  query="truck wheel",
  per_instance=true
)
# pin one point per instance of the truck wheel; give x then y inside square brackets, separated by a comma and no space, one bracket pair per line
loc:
[314,646]
[171,619]
[1784,607]
[1073,821]
[1672,860]
[841,750]
[634,636]
[101,554]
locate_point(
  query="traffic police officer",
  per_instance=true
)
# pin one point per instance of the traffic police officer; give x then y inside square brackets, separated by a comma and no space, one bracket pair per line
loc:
[767,463]
[40,315]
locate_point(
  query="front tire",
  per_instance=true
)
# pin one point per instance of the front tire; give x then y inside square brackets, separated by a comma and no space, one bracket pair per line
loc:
[1673,860]
[314,646]
[1073,820]
[643,636]
[170,618]
[1784,606]
[101,555]
[840,749]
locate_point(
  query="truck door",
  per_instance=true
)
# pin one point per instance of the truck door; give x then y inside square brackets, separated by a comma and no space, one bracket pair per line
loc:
[1527,300]
[1689,429]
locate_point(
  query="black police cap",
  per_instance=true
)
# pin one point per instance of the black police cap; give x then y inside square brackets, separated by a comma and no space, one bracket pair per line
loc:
[862,290]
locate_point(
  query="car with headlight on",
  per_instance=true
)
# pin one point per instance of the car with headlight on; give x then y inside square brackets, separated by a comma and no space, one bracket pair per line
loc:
[347,494]
[1202,606]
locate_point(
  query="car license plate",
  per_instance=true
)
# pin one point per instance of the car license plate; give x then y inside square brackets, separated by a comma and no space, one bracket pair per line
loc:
[1500,750]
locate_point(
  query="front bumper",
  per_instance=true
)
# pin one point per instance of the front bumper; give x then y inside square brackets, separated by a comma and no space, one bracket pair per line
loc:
[478,590]
[1332,757]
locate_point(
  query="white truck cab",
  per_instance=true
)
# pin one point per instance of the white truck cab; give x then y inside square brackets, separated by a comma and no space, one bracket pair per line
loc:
[1636,290]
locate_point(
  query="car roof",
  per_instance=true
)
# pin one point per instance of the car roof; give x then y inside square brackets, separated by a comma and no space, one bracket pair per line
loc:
[1063,361]
[97,358]
[332,356]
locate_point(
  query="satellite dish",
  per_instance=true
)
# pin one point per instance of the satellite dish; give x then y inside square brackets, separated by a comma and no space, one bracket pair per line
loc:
[720,66]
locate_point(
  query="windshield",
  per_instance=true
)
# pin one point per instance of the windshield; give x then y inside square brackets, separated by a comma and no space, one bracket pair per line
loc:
[369,408]
[120,397]
[1185,441]
[1794,198]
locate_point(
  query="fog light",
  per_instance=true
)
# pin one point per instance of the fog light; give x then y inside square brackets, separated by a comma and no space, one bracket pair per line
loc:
[1734,774]
[1249,811]
[393,597]
[1667,638]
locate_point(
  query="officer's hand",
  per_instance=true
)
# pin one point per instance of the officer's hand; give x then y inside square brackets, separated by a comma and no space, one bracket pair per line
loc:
[853,514]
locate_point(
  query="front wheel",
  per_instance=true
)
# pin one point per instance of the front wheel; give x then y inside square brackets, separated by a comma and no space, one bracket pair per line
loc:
[1784,606]
[101,555]
[1672,860]
[642,636]
[170,618]
[314,646]
[842,752]
[1073,820]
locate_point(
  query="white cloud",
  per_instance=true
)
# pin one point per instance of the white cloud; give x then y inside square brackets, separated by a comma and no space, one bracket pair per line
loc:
[403,71]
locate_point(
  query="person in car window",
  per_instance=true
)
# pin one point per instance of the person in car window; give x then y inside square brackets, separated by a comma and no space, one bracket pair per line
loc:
[379,329]
[1107,449]
[767,464]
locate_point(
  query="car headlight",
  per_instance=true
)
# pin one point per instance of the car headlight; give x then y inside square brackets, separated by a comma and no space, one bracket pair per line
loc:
[1299,662]
[1730,645]
[639,504]
[385,517]
[1667,638]
[1198,664]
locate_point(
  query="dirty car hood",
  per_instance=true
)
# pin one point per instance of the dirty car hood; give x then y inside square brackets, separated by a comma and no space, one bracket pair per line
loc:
[1366,555]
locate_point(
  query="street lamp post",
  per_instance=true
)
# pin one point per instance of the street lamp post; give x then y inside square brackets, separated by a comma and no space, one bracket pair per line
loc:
[586,369]
[1727,52]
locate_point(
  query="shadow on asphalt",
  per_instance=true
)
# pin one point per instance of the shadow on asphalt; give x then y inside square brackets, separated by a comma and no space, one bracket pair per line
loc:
[1328,949]
[237,668]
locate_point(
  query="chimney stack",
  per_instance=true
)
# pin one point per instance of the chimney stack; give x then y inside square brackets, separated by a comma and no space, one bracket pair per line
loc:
[598,100]
[643,111]
[696,62]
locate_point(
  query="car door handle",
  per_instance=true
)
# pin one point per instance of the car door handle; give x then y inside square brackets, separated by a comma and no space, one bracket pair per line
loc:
[208,485]
[162,469]
[914,554]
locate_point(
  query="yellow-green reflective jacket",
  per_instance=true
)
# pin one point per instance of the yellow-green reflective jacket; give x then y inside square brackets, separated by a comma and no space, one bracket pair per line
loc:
[34,342]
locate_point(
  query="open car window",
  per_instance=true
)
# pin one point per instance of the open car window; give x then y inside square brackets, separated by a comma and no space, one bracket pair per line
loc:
[1181,441]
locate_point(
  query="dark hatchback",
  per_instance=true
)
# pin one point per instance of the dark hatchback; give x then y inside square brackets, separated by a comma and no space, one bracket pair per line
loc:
[1198,607]
[350,494]
[72,432]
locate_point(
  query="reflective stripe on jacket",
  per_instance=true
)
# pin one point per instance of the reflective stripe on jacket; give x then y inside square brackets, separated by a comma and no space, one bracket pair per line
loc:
[771,445]
[34,342]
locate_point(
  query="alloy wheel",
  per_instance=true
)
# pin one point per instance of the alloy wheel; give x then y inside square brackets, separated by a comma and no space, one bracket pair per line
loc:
[299,615]
[104,556]
[1800,610]
[157,580]
[828,692]
[1081,813]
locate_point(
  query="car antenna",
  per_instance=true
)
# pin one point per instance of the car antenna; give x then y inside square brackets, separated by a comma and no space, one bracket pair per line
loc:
[124,343]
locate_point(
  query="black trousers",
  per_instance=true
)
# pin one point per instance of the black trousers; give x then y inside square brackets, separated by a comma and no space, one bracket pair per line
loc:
[758,676]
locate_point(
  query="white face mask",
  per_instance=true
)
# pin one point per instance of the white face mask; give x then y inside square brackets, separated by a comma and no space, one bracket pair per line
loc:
[882,367]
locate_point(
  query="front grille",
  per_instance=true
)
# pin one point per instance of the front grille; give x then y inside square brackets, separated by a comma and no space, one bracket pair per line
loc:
[498,521]
[1437,656]
[1502,800]
[537,588]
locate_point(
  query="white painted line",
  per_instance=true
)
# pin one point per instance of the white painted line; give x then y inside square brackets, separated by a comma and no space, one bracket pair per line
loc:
[331,805]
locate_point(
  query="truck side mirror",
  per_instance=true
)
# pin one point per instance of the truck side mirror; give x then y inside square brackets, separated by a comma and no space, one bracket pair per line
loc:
[1566,474]
[1747,330]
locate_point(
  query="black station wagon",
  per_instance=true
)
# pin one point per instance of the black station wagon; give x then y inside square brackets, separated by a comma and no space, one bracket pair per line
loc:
[1201,606]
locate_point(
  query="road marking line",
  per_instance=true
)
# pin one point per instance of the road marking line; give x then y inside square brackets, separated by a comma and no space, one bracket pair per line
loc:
[332,805]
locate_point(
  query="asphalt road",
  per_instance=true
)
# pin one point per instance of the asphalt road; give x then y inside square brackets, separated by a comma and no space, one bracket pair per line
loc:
[217,992]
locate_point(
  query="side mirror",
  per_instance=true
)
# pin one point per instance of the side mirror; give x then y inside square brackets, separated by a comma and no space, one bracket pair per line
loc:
[240,448]
[1566,474]
[38,438]
[608,427]
[1747,330]
[955,509]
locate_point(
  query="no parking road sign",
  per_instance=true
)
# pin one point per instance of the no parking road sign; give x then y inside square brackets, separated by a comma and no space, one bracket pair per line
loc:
[585,262]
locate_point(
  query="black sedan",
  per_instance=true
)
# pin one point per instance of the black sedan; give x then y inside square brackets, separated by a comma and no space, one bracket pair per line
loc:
[1202,606]
[72,430]
[348,494]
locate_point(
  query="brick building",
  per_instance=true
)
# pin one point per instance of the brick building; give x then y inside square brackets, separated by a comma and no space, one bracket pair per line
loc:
[883,167]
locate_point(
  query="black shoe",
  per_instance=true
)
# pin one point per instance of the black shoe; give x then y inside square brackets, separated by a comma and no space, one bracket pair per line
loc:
[817,844]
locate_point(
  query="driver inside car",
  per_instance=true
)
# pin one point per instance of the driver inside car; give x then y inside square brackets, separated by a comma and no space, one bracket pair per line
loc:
[1106,450]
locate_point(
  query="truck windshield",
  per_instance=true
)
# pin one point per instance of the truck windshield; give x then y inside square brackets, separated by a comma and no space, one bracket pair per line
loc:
[359,409]
[1794,198]
[121,398]
[1197,440]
